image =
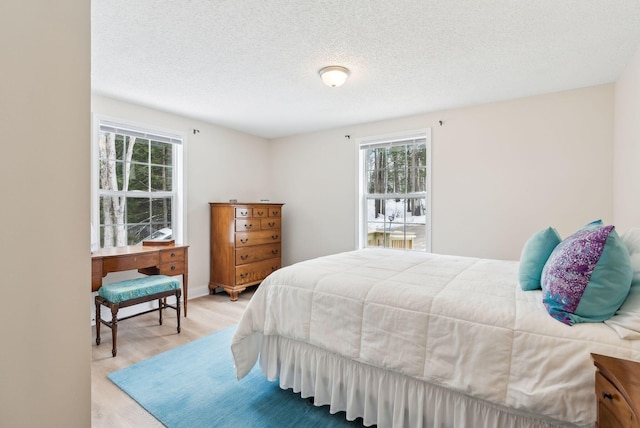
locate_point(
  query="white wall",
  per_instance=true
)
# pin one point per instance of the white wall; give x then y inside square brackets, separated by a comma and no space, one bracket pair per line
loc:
[220,164]
[45,376]
[501,171]
[627,147]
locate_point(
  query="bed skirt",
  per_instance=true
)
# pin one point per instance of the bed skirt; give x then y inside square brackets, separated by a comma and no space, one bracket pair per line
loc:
[379,397]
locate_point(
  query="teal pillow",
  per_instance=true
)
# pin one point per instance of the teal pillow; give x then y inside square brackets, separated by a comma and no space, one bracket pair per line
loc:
[588,276]
[534,255]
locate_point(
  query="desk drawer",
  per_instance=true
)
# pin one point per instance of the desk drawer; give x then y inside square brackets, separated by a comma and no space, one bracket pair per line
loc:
[172,255]
[173,268]
[117,264]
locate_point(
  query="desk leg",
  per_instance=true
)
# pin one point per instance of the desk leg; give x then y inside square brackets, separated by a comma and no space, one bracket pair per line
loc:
[185,289]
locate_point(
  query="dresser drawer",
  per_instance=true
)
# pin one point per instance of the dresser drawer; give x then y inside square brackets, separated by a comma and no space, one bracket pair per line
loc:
[243,212]
[256,272]
[247,224]
[260,212]
[257,253]
[274,211]
[259,237]
[613,409]
[270,223]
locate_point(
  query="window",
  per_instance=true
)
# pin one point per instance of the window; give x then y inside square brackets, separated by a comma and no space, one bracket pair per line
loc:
[395,191]
[138,184]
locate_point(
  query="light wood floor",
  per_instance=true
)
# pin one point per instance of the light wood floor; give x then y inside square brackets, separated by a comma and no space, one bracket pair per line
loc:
[142,337]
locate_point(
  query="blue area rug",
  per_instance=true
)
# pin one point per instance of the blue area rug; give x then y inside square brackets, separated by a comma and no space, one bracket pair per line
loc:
[195,386]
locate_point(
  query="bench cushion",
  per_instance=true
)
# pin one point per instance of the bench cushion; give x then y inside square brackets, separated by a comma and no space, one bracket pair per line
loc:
[122,291]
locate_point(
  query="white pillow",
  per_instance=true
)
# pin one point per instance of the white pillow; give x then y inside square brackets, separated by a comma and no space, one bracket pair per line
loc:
[626,321]
[631,239]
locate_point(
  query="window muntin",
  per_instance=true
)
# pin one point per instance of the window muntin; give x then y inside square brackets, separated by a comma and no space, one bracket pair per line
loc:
[137,187]
[395,202]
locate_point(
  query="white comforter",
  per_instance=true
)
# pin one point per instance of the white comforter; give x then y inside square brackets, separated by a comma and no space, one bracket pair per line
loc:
[458,322]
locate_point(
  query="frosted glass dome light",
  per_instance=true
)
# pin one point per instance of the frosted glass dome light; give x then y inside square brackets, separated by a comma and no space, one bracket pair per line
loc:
[334,75]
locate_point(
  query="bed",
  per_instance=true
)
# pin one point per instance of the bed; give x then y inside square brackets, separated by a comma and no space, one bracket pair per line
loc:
[411,339]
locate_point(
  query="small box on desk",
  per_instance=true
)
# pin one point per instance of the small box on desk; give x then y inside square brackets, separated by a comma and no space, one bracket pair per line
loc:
[160,243]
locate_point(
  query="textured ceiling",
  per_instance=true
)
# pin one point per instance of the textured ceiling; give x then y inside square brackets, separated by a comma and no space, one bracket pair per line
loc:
[252,65]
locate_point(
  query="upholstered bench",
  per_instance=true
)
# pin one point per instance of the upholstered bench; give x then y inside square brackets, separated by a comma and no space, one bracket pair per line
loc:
[132,292]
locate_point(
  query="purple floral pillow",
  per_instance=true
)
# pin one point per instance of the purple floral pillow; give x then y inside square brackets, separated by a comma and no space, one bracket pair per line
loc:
[587,277]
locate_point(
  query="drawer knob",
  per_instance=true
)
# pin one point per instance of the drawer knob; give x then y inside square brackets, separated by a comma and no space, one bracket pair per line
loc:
[244,256]
[248,226]
[244,241]
[243,213]
[173,254]
[607,396]
[274,252]
[274,213]
[173,267]
[271,224]
[243,275]
[274,236]
[260,213]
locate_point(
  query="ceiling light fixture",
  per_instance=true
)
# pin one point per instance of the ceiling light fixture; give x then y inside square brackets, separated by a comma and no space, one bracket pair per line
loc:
[334,75]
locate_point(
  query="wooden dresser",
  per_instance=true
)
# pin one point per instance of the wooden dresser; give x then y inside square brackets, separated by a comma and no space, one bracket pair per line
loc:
[617,392]
[245,244]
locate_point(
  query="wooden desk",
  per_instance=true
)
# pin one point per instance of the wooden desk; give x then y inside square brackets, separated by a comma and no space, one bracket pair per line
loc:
[149,260]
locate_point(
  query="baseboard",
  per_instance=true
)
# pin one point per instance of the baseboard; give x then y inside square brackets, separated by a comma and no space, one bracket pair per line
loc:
[199,291]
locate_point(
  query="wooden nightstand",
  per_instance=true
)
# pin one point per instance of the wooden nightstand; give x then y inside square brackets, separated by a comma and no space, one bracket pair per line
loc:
[618,392]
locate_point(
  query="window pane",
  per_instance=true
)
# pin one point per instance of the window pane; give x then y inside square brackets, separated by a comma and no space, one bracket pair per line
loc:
[417,155]
[138,177]
[161,212]
[397,181]
[161,153]
[140,151]
[138,210]
[136,233]
[120,146]
[416,180]
[377,181]
[161,178]
[397,157]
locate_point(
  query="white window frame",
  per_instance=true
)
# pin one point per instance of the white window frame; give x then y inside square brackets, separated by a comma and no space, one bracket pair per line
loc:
[179,141]
[390,139]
